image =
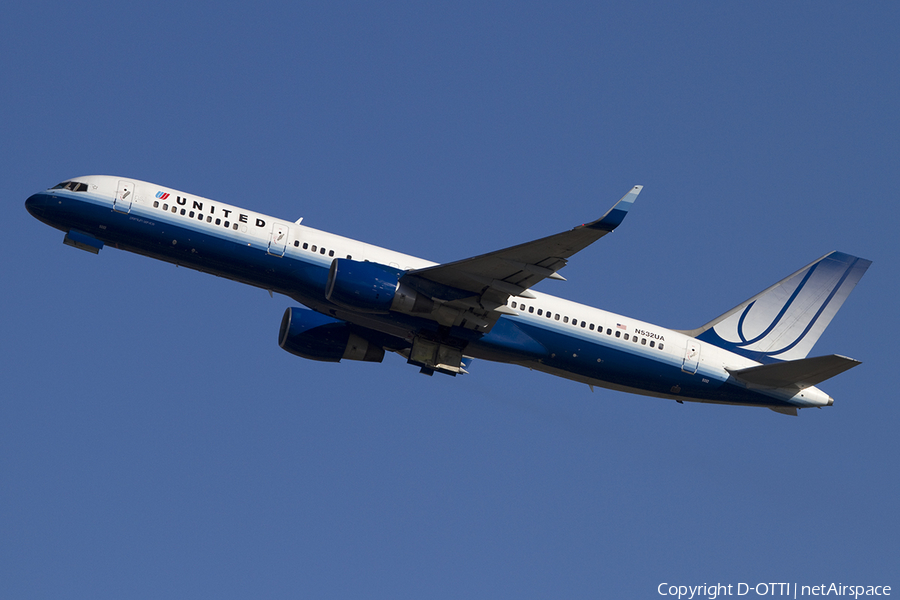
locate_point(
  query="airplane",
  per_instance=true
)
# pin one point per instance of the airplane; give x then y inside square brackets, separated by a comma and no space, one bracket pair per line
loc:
[361,300]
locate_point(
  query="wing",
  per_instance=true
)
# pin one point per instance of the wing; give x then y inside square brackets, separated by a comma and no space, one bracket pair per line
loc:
[488,280]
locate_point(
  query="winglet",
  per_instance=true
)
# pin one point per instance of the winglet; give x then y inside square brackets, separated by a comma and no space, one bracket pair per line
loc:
[614,217]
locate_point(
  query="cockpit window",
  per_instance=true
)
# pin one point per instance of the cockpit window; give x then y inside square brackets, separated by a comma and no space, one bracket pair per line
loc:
[73,186]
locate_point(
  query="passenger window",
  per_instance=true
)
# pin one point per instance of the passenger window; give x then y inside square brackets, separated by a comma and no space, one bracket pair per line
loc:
[314,248]
[331,253]
[218,221]
[349,257]
[156,204]
[183,211]
[626,337]
[165,207]
[235,226]
[591,327]
[556,316]
[514,304]
[174,209]
[305,246]
[296,243]
[209,219]
[660,346]
[322,251]
[531,309]
[619,334]
[540,312]
[583,324]
[227,224]
[609,332]
[652,343]
[191,214]
[565,319]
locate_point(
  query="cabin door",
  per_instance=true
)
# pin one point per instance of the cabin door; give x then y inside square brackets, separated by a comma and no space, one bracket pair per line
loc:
[124,196]
[691,357]
[278,239]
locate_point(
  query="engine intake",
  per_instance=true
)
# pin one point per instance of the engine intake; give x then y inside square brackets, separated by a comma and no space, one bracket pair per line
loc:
[315,336]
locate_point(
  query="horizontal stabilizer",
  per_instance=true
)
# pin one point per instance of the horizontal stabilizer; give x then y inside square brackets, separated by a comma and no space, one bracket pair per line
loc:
[802,373]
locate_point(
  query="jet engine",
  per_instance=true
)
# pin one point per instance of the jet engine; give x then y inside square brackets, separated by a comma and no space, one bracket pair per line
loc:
[312,335]
[373,288]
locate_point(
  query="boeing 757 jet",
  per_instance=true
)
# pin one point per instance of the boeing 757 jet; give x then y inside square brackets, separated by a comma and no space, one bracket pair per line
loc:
[361,300]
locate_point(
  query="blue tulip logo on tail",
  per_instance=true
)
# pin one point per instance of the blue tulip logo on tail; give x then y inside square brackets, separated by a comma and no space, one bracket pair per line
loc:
[785,321]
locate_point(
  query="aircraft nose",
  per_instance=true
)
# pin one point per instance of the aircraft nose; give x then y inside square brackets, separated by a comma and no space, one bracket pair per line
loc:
[35,205]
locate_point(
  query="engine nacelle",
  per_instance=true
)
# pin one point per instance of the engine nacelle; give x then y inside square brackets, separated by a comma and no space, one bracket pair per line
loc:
[312,335]
[363,286]
[372,287]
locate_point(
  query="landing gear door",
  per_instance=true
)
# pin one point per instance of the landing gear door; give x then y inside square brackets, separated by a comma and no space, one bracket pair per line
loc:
[124,196]
[691,357]
[278,239]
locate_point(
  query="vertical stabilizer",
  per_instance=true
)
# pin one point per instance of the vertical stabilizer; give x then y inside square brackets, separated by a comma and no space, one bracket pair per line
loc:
[785,321]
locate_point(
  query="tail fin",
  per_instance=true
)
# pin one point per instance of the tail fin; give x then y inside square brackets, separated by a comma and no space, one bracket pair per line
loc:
[785,321]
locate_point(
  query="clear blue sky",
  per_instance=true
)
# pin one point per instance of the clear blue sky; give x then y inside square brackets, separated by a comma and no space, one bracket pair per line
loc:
[156,442]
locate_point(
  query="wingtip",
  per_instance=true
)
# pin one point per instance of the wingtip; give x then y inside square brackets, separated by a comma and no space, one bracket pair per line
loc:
[625,202]
[614,217]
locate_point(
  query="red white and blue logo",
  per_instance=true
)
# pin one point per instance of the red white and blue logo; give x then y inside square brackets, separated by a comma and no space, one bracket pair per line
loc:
[162,195]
